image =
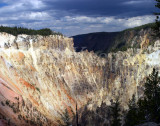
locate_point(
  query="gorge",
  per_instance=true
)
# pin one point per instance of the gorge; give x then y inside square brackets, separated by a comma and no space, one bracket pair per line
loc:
[41,77]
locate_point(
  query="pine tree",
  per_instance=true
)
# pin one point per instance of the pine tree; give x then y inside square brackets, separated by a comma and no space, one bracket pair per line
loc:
[115,109]
[151,103]
[66,118]
[132,118]
[148,107]
[19,30]
[156,27]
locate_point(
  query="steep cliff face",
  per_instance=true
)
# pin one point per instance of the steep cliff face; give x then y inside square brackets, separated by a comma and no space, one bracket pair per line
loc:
[41,77]
[47,72]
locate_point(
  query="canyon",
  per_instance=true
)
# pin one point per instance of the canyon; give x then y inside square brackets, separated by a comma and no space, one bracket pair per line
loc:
[41,77]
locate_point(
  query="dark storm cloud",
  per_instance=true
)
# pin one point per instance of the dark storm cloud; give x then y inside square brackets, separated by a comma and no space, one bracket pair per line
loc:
[73,17]
[120,8]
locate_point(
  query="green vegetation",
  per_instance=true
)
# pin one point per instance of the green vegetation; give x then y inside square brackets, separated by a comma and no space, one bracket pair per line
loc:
[7,102]
[19,117]
[124,39]
[156,26]
[150,103]
[122,48]
[123,42]
[19,30]
[103,115]
[113,57]
[147,109]
[115,113]
[146,26]
[131,118]
[38,89]
[66,118]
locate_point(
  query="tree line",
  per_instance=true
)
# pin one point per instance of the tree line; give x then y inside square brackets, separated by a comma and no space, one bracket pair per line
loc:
[147,108]
[19,30]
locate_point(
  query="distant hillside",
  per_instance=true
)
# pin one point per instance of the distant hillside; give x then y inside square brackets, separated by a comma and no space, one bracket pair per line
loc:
[112,41]
[94,41]
[19,30]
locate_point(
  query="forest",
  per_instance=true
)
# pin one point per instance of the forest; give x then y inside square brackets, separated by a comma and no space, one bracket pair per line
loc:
[19,30]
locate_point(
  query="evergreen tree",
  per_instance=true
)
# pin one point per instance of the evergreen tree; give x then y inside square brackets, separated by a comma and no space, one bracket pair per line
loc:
[66,118]
[115,109]
[19,30]
[150,104]
[156,27]
[132,118]
[148,107]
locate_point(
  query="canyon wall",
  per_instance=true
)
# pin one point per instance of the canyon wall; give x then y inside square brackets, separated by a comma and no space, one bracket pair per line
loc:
[42,77]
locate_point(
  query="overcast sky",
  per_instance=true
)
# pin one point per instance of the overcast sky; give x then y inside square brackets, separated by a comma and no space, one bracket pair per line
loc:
[72,17]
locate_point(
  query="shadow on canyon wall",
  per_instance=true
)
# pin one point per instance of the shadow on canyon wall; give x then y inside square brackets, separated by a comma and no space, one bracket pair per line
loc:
[101,116]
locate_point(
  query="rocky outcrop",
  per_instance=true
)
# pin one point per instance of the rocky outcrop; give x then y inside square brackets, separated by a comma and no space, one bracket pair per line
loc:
[44,77]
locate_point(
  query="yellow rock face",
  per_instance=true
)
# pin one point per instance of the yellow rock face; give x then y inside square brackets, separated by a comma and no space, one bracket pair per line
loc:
[47,73]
